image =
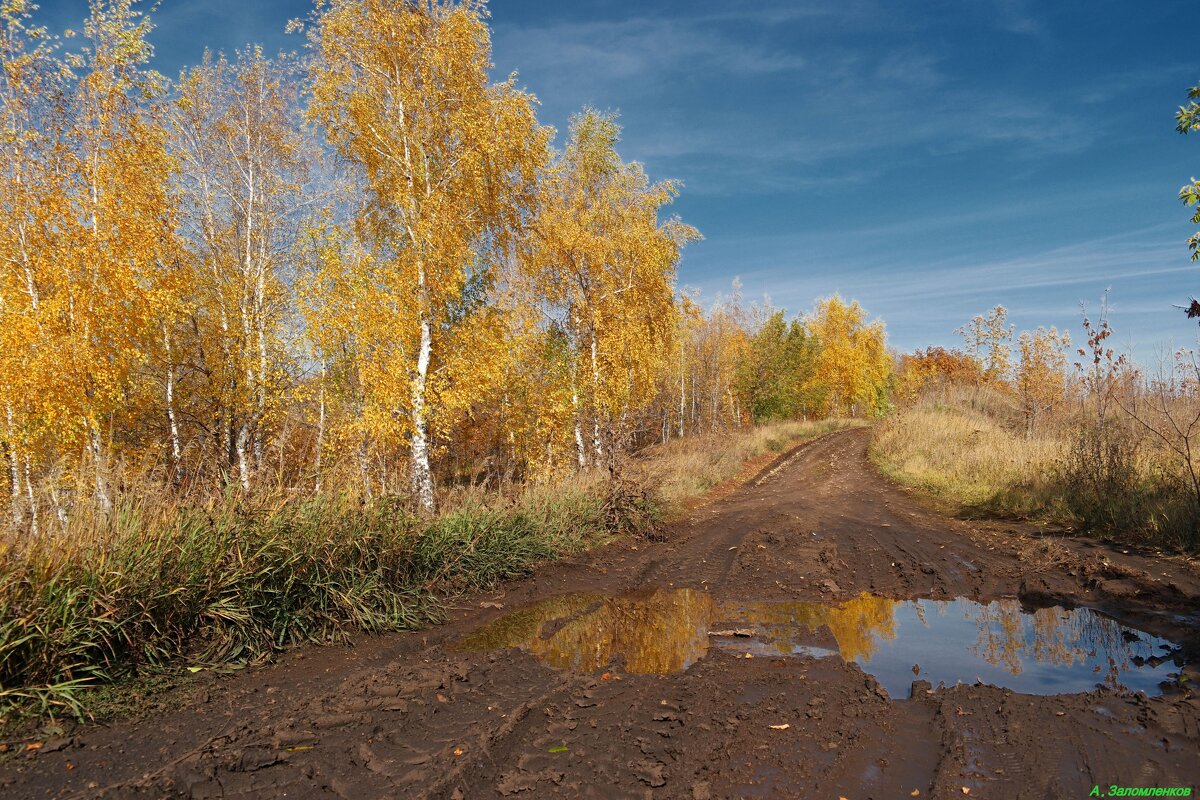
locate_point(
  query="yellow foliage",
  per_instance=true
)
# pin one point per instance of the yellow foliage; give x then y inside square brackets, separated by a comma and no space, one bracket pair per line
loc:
[853,366]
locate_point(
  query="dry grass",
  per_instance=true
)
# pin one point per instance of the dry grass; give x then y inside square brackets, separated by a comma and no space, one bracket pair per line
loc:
[966,459]
[970,452]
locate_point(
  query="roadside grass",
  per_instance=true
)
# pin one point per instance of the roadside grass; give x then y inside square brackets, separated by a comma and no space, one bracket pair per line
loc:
[967,460]
[974,459]
[159,588]
[234,583]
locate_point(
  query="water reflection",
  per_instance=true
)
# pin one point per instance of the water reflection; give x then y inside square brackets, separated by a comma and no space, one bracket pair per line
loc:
[1047,651]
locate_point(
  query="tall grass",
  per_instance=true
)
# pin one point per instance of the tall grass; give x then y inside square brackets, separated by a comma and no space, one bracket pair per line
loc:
[970,451]
[967,459]
[236,583]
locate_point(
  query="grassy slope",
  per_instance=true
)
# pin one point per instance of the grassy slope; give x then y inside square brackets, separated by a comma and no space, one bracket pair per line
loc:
[977,460]
[967,460]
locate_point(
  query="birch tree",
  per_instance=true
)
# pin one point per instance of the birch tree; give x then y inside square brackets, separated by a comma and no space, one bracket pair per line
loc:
[604,265]
[122,240]
[34,210]
[244,165]
[449,163]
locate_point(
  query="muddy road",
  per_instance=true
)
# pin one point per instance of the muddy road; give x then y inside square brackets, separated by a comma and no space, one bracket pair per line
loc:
[816,633]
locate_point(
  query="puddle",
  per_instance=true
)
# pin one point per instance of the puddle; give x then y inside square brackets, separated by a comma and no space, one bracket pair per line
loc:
[1046,651]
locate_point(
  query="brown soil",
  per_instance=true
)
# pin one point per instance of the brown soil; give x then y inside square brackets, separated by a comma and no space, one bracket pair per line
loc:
[416,716]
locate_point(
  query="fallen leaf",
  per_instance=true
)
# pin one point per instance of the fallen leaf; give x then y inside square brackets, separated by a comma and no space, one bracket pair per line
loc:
[490,604]
[559,749]
[194,670]
[782,727]
[299,748]
[32,746]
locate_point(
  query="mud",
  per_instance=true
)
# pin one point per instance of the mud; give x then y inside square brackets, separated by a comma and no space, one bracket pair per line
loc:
[817,633]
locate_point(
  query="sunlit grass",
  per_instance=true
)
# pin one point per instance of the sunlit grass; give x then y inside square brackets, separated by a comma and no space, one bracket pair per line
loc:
[974,457]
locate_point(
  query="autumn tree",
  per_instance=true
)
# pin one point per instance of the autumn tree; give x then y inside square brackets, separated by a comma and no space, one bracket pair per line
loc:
[34,212]
[987,340]
[935,368]
[604,266]
[1041,372]
[120,243]
[449,164]
[243,168]
[853,368]
[720,343]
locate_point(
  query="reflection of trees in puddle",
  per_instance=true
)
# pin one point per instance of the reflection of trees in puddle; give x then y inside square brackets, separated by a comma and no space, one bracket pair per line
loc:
[1055,636]
[858,624]
[659,631]
[667,630]
[656,632]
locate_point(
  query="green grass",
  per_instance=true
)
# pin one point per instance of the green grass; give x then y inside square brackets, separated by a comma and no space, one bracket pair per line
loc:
[235,584]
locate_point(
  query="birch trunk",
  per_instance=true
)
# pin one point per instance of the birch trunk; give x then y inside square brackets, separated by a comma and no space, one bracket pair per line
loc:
[103,499]
[420,473]
[33,510]
[243,462]
[320,429]
[14,469]
[682,392]
[172,422]
[597,446]
[580,447]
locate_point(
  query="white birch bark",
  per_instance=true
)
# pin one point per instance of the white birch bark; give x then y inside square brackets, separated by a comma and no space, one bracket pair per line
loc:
[14,469]
[103,499]
[33,509]
[421,474]
[597,445]
[320,429]
[172,421]
[580,446]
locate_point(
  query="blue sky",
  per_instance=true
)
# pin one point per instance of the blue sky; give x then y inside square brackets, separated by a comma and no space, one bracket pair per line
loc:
[929,159]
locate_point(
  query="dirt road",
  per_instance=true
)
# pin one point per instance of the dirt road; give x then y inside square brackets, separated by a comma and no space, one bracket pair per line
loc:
[786,641]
